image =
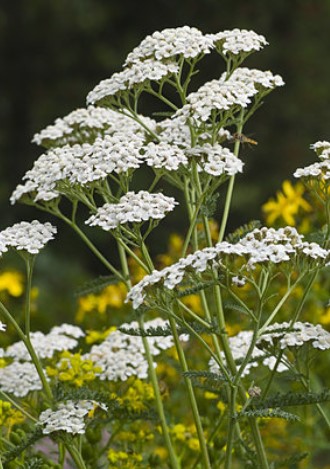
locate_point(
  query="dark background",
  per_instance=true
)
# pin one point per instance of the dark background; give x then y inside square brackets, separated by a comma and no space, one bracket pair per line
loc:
[52,53]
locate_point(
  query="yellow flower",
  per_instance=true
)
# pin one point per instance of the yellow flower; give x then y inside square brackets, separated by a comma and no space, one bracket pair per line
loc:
[74,369]
[112,296]
[98,336]
[287,204]
[12,283]
[9,416]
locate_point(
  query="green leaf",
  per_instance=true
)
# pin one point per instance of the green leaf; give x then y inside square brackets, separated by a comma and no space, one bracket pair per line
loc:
[96,285]
[268,413]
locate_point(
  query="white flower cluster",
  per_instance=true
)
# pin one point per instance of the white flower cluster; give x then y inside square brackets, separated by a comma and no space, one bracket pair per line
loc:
[19,379]
[216,160]
[137,74]
[81,164]
[164,155]
[237,41]
[121,355]
[185,41]
[69,417]
[278,333]
[85,123]
[296,336]
[259,246]
[132,208]
[27,236]
[239,346]
[59,338]
[3,327]
[225,94]
[258,78]
[320,169]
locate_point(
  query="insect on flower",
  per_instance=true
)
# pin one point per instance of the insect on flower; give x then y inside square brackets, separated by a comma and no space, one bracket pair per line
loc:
[243,139]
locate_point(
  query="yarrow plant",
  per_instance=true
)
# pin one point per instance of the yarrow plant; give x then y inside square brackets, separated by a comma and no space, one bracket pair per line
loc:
[91,395]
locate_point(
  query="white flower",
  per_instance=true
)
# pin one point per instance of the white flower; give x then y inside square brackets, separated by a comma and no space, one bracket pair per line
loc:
[121,355]
[69,417]
[296,335]
[171,42]
[2,327]
[28,236]
[264,245]
[320,169]
[81,164]
[137,74]
[132,208]
[60,338]
[227,94]
[19,379]
[237,41]
[216,160]
[88,123]
[164,155]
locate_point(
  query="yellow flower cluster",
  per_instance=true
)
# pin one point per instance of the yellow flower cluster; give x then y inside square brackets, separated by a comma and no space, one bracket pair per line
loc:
[123,459]
[12,283]
[9,416]
[73,369]
[287,204]
[185,434]
[112,296]
[137,395]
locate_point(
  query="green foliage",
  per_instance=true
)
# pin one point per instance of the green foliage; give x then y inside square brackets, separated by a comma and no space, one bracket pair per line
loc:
[96,285]
[267,413]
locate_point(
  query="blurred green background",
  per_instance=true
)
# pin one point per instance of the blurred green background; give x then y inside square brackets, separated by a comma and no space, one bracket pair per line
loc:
[52,53]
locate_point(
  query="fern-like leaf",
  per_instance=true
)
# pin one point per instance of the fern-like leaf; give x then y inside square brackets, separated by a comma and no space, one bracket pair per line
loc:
[243,230]
[291,462]
[268,413]
[28,441]
[292,399]
[96,285]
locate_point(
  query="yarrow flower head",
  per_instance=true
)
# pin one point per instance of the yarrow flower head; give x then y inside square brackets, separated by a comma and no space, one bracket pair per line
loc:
[216,160]
[185,41]
[238,41]
[28,236]
[137,74]
[121,355]
[80,164]
[59,338]
[164,155]
[69,417]
[19,379]
[264,245]
[132,208]
[226,94]
[86,124]
[319,170]
[296,335]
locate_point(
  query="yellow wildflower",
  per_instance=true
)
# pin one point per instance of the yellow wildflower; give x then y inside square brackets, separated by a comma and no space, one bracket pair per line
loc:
[12,283]
[98,336]
[112,296]
[9,416]
[74,369]
[287,204]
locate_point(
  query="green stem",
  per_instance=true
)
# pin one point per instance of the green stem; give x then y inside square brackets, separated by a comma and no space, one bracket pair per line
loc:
[91,246]
[28,345]
[159,404]
[152,373]
[76,456]
[231,428]
[29,262]
[230,189]
[17,406]
[190,389]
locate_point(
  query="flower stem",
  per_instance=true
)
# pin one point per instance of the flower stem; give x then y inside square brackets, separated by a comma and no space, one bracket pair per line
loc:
[191,394]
